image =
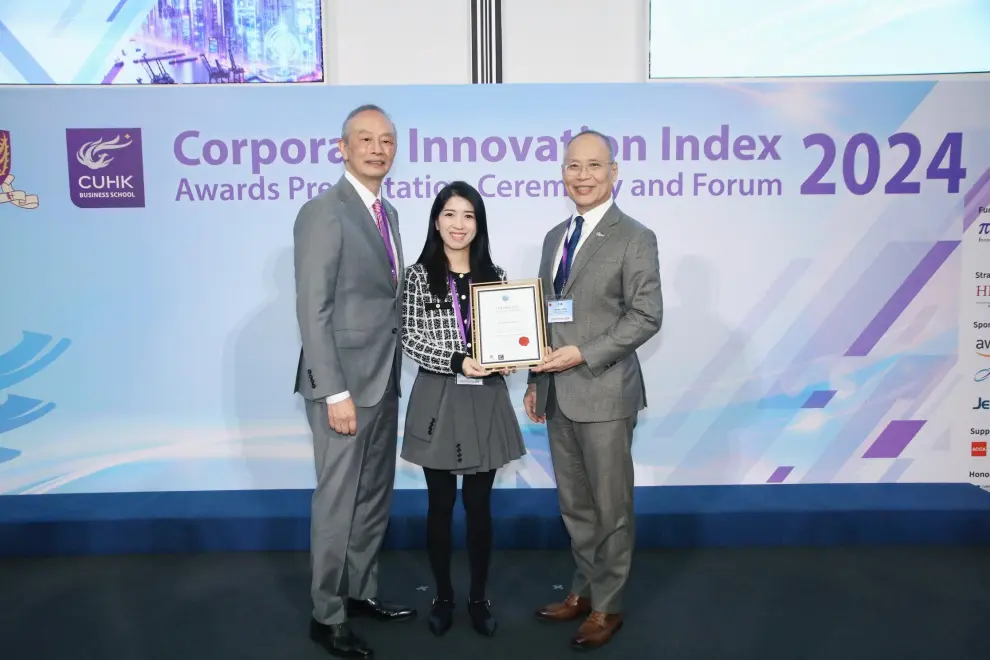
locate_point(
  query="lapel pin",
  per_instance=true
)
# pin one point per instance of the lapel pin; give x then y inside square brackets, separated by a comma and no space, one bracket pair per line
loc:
[600,235]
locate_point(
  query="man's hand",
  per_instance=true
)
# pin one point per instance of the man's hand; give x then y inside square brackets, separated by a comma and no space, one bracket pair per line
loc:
[343,417]
[560,359]
[529,403]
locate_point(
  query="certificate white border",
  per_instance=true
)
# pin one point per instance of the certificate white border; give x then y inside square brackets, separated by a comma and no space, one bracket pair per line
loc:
[537,286]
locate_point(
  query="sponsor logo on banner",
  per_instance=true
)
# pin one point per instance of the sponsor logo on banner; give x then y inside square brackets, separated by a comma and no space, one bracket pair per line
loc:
[979,449]
[982,298]
[106,167]
[983,347]
[9,194]
[983,231]
[981,375]
[982,404]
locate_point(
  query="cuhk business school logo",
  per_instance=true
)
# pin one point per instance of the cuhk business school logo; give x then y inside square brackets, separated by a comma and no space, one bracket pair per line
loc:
[8,194]
[106,167]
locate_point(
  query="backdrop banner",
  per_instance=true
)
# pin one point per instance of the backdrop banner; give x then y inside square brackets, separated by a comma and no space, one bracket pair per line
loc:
[824,250]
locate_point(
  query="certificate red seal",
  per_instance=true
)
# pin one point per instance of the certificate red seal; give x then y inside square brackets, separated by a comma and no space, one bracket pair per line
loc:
[524,341]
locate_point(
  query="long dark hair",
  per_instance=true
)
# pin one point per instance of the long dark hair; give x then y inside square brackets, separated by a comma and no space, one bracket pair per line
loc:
[434,259]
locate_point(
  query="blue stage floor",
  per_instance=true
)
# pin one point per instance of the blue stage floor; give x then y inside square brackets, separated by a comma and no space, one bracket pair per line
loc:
[702,516]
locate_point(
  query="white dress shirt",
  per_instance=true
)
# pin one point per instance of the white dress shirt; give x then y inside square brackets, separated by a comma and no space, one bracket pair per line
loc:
[369,198]
[591,220]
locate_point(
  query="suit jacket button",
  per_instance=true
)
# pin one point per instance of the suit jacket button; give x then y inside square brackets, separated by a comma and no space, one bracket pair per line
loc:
[393,331]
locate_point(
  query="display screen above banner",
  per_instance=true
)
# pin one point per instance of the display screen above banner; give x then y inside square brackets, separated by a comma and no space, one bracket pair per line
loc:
[160,42]
[785,38]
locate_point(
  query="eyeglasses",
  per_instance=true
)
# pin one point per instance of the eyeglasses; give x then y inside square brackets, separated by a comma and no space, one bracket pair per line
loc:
[594,167]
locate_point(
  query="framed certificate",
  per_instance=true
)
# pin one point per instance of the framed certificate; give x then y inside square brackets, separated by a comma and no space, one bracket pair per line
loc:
[507,324]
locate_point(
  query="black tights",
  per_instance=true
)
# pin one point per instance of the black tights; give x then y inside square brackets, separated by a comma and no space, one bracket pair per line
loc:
[476,492]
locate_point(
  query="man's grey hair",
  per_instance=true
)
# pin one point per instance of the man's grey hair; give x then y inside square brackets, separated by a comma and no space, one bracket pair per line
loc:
[602,136]
[358,110]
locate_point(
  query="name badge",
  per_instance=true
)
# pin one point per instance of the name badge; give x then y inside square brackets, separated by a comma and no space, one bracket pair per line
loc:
[560,311]
[464,380]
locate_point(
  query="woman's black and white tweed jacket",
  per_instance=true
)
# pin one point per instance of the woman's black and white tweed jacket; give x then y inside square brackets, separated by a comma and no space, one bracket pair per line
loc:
[429,324]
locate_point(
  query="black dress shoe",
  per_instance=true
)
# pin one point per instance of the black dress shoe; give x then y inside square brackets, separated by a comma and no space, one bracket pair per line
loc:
[373,608]
[339,640]
[441,616]
[481,617]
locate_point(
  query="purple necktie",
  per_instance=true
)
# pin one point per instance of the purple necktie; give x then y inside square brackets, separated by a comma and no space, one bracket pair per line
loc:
[383,230]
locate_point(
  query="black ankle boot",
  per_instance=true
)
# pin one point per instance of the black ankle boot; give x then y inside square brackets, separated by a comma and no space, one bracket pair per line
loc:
[441,616]
[481,617]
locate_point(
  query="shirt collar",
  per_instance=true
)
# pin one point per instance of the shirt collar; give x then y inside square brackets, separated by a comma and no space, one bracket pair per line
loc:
[593,216]
[368,197]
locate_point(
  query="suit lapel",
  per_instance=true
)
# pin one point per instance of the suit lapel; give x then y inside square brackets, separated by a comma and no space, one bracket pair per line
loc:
[360,215]
[591,244]
[393,227]
[546,269]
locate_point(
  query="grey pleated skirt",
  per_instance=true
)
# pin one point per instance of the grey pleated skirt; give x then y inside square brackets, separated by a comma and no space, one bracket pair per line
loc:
[461,428]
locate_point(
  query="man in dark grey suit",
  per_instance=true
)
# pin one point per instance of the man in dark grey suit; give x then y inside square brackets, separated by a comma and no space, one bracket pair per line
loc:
[348,263]
[603,269]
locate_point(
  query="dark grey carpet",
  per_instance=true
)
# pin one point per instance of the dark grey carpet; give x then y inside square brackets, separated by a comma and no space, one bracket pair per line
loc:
[793,604]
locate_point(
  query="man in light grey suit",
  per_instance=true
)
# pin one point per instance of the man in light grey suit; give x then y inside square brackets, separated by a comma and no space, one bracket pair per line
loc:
[604,271]
[348,264]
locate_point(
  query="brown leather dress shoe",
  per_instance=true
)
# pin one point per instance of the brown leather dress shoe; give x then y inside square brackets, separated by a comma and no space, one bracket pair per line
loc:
[572,608]
[596,630]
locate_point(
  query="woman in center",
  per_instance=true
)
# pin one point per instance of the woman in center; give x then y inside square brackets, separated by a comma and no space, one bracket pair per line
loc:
[459,419]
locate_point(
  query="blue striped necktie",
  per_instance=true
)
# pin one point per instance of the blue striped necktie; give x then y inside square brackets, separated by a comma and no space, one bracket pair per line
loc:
[567,258]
